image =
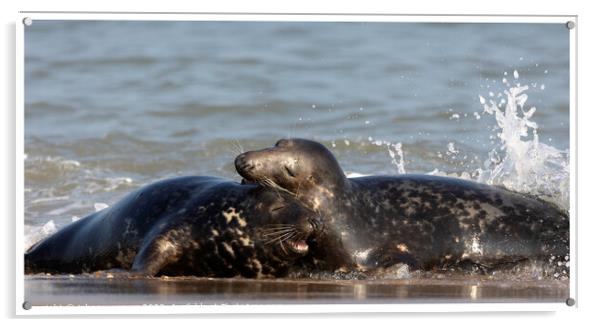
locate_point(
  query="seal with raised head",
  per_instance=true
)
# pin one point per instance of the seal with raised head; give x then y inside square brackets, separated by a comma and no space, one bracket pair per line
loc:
[202,226]
[426,222]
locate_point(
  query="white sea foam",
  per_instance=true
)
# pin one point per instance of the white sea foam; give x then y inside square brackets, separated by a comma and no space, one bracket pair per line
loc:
[33,234]
[100,206]
[351,174]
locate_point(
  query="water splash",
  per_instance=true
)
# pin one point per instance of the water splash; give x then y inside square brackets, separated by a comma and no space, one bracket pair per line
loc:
[395,152]
[522,163]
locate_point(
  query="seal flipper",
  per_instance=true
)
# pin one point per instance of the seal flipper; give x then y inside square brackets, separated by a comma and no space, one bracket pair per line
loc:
[155,255]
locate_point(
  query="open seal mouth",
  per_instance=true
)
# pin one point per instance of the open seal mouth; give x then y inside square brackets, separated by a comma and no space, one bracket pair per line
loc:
[298,246]
[287,239]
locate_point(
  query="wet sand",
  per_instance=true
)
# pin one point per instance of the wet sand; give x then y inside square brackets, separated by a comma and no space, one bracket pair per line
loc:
[79,290]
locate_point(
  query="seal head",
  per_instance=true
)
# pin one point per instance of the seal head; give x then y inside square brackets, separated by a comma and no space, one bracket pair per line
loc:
[288,227]
[303,168]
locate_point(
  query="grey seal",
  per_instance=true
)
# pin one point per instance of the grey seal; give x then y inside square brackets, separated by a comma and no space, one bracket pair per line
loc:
[426,222]
[196,225]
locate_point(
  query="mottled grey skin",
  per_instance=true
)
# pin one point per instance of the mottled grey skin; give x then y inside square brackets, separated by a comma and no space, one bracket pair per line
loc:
[203,226]
[426,222]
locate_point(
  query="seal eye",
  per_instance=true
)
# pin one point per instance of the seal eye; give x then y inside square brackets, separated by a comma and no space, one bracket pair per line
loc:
[277,208]
[289,171]
[282,142]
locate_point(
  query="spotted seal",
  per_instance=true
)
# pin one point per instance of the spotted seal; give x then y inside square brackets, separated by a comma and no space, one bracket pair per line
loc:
[426,222]
[203,226]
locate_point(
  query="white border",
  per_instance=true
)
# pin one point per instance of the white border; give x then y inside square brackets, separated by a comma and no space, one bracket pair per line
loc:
[573,159]
[292,308]
[295,17]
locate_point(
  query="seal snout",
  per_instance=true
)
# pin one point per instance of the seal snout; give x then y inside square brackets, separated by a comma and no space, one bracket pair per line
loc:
[243,165]
[249,167]
[240,160]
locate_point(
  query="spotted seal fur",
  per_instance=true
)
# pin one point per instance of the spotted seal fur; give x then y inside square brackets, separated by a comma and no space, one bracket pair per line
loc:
[426,222]
[203,226]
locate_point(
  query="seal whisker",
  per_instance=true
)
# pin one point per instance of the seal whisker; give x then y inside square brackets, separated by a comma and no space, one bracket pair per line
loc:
[283,237]
[234,149]
[276,229]
[278,225]
[299,236]
[293,234]
[278,233]
[270,183]
[280,238]
[266,184]
[283,248]
[240,148]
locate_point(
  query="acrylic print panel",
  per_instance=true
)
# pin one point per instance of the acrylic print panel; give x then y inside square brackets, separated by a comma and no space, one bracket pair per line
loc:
[470,124]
